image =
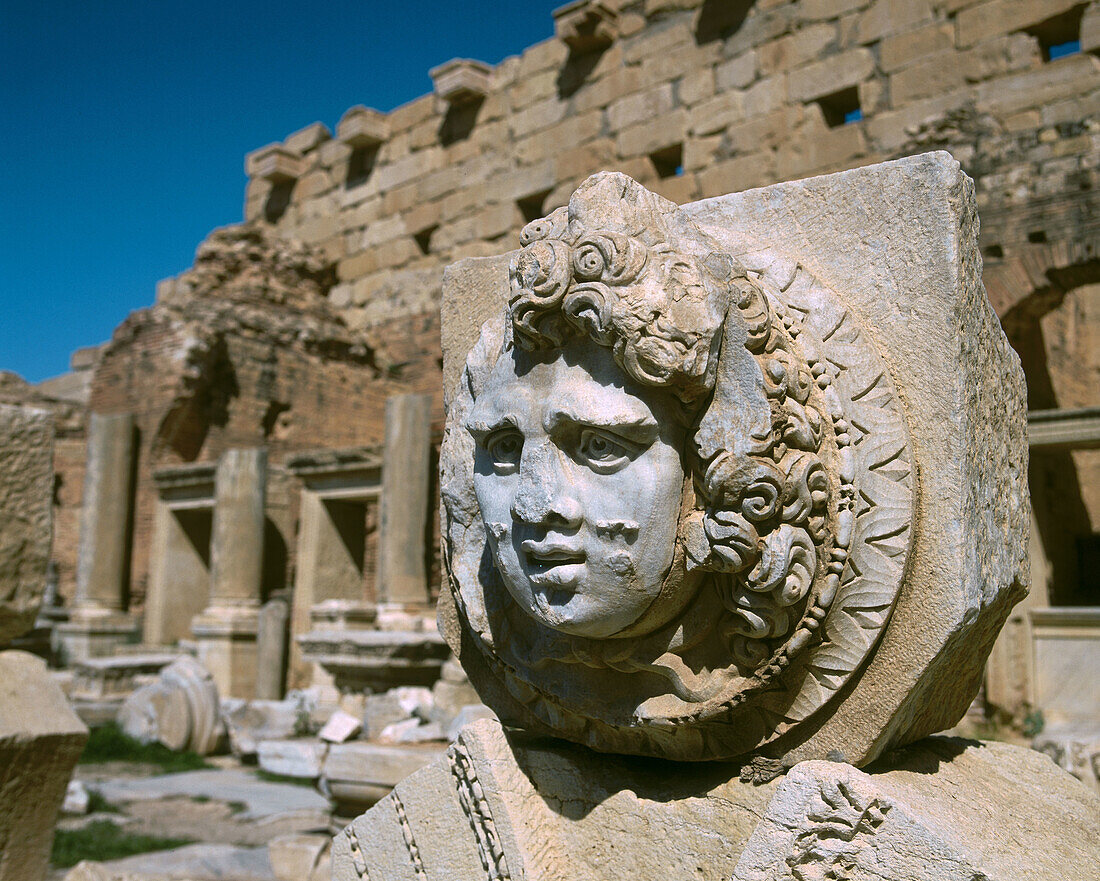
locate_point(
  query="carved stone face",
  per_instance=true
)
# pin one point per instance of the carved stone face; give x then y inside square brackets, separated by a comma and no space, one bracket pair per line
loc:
[578,476]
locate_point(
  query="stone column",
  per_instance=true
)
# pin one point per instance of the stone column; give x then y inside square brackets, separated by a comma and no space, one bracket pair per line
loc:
[226,630]
[271,644]
[402,551]
[99,620]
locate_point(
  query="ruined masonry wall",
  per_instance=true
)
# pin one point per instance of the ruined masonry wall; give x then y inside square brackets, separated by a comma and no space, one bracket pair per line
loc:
[735,104]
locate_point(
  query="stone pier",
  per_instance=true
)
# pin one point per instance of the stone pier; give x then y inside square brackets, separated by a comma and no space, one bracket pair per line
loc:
[402,570]
[226,630]
[99,621]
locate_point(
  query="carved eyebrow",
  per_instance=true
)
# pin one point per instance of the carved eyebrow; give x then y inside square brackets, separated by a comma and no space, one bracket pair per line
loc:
[632,424]
[481,428]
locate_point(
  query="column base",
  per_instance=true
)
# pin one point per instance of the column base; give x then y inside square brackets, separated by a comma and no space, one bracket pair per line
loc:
[95,632]
[226,641]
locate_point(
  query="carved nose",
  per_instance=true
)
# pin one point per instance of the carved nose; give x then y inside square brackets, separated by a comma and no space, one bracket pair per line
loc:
[545,492]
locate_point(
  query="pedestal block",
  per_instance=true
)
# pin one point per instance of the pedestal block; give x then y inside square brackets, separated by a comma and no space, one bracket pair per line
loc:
[227,647]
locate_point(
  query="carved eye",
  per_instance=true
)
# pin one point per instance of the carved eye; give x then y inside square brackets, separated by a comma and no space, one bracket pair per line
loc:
[602,452]
[504,448]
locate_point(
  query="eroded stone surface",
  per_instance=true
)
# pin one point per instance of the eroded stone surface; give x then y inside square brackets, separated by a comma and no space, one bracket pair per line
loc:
[718,609]
[179,710]
[40,741]
[938,810]
[501,808]
[26,490]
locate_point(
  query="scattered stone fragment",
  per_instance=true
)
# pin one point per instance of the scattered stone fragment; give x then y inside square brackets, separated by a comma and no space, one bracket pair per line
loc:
[76,799]
[179,710]
[300,857]
[301,757]
[340,727]
[412,731]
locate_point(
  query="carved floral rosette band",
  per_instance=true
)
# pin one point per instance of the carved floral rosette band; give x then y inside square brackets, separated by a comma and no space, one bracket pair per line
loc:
[676,486]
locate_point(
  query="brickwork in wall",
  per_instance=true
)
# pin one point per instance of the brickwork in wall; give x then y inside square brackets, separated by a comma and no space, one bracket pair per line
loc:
[232,357]
[697,99]
[292,330]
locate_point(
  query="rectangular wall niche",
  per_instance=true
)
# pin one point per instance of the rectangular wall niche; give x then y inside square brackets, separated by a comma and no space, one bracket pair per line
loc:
[349,534]
[668,162]
[1059,35]
[179,582]
[841,108]
[338,532]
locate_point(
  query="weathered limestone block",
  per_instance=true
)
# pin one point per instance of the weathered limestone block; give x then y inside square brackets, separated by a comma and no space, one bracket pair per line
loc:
[99,621]
[359,774]
[510,808]
[822,562]
[179,710]
[26,492]
[937,810]
[250,723]
[300,857]
[301,757]
[461,80]
[402,558]
[40,741]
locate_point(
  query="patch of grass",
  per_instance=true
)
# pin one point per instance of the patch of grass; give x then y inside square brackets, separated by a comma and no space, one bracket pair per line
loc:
[97,804]
[111,744]
[283,778]
[104,840]
[235,807]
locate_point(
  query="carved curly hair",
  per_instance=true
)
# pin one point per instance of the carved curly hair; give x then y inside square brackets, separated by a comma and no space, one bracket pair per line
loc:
[680,315]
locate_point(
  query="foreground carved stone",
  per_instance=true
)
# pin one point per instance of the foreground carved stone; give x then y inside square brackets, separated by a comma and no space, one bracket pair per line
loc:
[497,809]
[40,741]
[735,478]
[26,488]
[740,484]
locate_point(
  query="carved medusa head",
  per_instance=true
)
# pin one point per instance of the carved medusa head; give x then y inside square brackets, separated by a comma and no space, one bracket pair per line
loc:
[659,487]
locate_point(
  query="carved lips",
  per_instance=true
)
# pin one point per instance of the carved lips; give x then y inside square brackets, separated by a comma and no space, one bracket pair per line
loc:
[553,564]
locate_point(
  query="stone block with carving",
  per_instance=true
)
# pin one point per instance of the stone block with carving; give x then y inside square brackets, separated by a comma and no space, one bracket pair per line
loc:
[744,478]
[504,807]
[26,492]
[587,25]
[740,484]
[363,127]
[274,163]
[40,741]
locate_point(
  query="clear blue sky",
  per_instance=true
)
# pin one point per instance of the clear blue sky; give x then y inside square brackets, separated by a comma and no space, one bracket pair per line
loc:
[125,125]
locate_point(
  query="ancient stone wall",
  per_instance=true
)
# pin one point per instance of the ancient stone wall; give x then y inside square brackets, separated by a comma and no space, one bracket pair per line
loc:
[69,450]
[246,352]
[697,98]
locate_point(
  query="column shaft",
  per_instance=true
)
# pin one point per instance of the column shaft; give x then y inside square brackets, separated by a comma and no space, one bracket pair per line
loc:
[402,552]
